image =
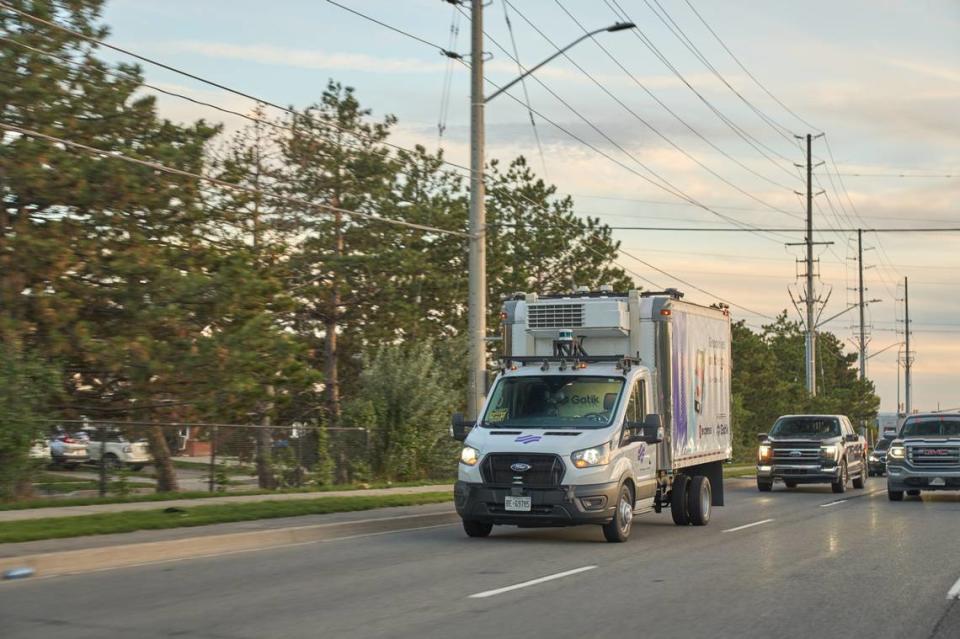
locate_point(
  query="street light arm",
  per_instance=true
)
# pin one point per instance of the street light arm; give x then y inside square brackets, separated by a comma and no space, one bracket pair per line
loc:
[620,26]
[846,310]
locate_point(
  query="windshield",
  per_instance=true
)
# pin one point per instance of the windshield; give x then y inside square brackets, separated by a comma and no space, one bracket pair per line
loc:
[553,401]
[806,427]
[883,444]
[931,427]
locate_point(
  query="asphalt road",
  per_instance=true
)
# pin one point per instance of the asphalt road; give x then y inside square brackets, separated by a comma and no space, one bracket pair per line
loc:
[821,565]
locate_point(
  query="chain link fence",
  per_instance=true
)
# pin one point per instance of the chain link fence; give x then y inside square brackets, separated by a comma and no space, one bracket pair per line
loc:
[88,457]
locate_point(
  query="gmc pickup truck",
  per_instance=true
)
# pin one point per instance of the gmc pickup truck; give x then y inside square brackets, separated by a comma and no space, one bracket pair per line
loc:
[924,456]
[811,449]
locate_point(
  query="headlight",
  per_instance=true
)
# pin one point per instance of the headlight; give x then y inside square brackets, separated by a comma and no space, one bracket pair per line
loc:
[128,449]
[596,456]
[874,457]
[830,453]
[897,452]
[765,452]
[469,456]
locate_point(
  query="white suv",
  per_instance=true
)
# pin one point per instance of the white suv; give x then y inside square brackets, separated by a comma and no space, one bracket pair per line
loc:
[118,451]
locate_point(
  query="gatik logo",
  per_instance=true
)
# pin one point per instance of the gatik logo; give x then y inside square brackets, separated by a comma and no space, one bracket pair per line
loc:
[520,467]
[528,439]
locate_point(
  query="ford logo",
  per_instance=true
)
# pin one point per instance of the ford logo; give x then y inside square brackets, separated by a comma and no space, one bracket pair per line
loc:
[795,453]
[520,467]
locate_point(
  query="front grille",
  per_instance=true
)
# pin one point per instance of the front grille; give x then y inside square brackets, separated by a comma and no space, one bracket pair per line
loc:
[796,453]
[555,316]
[933,455]
[546,471]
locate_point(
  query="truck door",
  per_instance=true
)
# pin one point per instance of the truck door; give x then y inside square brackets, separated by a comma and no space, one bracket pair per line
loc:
[642,455]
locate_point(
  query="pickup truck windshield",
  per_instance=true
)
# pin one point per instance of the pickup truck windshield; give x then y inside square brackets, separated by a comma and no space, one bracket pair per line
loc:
[931,427]
[553,401]
[806,427]
[883,444]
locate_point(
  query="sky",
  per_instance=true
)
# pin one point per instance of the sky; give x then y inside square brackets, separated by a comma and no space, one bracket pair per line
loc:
[675,121]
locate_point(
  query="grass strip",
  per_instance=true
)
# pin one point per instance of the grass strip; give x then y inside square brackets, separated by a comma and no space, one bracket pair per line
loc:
[130,521]
[131,499]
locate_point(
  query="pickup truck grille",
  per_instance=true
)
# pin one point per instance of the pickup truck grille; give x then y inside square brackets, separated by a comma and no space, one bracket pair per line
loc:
[546,471]
[796,453]
[932,455]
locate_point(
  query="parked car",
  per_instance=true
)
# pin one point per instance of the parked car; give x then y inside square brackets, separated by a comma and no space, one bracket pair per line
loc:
[40,450]
[877,460]
[811,449]
[118,451]
[68,451]
[924,456]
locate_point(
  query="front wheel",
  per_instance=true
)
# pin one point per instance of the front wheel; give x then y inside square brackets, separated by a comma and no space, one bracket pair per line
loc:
[840,486]
[894,495]
[790,483]
[699,500]
[678,500]
[476,528]
[913,493]
[764,486]
[617,530]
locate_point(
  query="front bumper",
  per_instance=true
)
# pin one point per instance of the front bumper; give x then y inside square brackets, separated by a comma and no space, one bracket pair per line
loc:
[902,476]
[800,473]
[879,467]
[562,506]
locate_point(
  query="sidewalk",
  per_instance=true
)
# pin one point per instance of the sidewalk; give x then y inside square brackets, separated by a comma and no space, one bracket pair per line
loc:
[95,509]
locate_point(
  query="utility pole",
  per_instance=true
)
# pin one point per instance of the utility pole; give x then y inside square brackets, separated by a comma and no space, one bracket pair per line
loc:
[863,335]
[907,390]
[477,313]
[811,342]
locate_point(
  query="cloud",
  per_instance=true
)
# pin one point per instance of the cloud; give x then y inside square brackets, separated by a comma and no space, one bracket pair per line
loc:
[308,58]
[942,73]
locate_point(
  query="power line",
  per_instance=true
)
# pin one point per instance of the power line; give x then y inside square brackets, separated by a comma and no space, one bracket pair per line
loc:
[727,229]
[523,85]
[174,171]
[738,131]
[747,71]
[901,175]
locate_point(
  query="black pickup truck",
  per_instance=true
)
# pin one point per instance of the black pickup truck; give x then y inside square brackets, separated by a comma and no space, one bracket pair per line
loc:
[811,449]
[925,455]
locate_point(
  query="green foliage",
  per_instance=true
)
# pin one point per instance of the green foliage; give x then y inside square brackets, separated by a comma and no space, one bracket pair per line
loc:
[406,397]
[768,381]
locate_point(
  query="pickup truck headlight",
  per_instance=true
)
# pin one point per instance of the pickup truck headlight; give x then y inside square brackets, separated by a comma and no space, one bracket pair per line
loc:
[596,456]
[830,453]
[873,457]
[897,452]
[766,451]
[469,456]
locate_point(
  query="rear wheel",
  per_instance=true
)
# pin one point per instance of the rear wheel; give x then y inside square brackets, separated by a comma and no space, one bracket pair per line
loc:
[678,500]
[861,480]
[617,530]
[840,486]
[699,500]
[476,528]
[894,495]
[111,461]
[913,493]
[764,485]
[790,483]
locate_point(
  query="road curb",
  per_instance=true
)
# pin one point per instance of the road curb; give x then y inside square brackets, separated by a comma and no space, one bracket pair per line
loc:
[107,557]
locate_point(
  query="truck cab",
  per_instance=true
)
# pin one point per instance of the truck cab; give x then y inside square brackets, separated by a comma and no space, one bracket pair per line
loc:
[924,456]
[581,426]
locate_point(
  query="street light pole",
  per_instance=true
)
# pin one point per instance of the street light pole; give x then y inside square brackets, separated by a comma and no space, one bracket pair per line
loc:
[477,261]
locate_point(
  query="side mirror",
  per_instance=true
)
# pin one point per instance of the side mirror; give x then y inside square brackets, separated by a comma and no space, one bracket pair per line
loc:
[763,437]
[650,430]
[459,429]
[852,437]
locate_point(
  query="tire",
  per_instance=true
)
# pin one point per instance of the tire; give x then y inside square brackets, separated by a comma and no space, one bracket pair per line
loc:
[764,486]
[894,495]
[913,493]
[678,500]
[840,486]
[617,530]
[861,481]
[699,500]
[475,528]
[111,461]
[790,484]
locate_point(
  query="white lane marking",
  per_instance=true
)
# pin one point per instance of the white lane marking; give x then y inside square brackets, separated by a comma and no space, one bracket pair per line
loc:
[954,593]
[834,503]
[756,523]
[532,582]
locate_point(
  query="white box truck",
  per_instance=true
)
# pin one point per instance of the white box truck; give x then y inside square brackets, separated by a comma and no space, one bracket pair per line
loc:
[606,405]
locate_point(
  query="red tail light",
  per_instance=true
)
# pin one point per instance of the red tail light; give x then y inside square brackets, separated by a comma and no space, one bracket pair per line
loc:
[68,440]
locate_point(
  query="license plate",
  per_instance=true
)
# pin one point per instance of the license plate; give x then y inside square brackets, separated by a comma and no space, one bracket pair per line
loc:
[518,504]
[938,481]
